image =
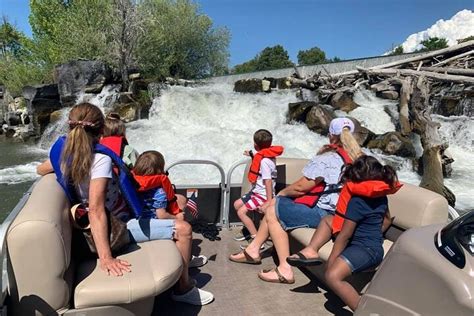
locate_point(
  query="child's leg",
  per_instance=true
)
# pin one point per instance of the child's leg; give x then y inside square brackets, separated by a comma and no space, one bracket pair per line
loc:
[246,220]
[183,239]
[320,237]
[335,276]
[182,201]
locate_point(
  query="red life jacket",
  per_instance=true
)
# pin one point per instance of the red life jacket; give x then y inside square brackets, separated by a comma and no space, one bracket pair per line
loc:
[370,189]
[312,196]
[115,143]
[270,152]
[159,181]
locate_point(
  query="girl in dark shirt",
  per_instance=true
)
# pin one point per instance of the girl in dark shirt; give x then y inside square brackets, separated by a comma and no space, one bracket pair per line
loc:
[358,245]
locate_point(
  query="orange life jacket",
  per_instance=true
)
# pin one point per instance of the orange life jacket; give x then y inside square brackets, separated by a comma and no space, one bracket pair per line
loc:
[312,196]
[270,152]
[115,143]
[370,189]
[159,181]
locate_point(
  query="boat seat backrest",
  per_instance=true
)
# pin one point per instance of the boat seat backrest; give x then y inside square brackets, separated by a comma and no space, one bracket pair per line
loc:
[412,206]
[39,249]
[289,170]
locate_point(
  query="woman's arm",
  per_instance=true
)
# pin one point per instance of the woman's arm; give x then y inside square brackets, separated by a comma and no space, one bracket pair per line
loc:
[342,240]
[99,229]
[44,168]
[299,187]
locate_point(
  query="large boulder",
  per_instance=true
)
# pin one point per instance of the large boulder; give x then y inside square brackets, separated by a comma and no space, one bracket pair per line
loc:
[319,117]
[88,76]
[41,101]
[297,111]
[343,100]
[252,85]
[393,143]
[362,134]
[390,95]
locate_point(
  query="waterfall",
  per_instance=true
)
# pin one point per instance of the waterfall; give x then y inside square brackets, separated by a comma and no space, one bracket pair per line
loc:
[214,123]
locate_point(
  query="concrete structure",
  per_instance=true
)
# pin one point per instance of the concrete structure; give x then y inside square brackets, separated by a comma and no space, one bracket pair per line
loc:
[331,68]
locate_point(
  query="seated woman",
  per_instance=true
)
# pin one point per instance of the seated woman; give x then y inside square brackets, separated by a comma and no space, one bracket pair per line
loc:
[359,240]
[86,175]
[297,205]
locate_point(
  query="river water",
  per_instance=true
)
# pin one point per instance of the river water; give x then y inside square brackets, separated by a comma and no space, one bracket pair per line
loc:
[212,122]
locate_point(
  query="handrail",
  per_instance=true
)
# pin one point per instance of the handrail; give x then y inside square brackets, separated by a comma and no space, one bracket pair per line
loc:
[3,240]
[453,212]
[222,219]
[228,186]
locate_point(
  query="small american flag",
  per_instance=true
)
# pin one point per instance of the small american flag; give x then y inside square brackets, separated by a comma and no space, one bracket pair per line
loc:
[191,194]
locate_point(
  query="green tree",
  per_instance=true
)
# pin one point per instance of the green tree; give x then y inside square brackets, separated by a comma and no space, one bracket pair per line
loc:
[18,66]
[67,30]
[466,39]
[397,51]
[275,57]
[311,56]
[433,43]
[180,41]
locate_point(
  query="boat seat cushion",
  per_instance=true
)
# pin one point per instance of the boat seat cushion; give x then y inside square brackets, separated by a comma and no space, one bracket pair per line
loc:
[156,266]
[303,236]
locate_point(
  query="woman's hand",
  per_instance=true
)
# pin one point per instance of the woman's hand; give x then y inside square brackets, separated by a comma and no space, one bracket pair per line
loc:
[114,266]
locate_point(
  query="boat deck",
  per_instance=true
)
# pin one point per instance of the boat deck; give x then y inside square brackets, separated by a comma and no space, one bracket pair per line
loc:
[238,290]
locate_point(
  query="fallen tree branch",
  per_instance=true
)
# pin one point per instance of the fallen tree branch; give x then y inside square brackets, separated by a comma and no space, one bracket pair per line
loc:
[453,58]
[410,72]
[454,71]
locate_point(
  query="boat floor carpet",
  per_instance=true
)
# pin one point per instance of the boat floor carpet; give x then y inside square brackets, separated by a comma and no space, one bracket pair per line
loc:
[238,290]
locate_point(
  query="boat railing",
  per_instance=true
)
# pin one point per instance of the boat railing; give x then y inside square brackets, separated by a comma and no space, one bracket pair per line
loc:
[228,187]
[3,247]
[223,221]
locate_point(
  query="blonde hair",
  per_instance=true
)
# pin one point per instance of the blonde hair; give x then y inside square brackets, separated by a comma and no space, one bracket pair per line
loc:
[113,126]
[348,142]
[86,122]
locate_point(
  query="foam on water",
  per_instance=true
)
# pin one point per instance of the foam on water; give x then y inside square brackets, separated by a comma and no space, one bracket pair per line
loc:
[19,173]
[371,107]
[214,123]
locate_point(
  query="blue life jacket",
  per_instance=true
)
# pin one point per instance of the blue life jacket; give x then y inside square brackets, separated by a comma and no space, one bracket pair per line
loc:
[126,183]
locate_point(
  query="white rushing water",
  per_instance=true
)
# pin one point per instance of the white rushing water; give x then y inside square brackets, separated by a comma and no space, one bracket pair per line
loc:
[214,123]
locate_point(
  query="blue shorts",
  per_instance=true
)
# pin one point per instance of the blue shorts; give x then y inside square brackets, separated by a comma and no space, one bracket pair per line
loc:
[295,215]
[141,230]
[361,258]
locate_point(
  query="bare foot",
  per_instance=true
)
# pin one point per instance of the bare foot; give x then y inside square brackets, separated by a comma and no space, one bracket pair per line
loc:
[309,253]
[277,276]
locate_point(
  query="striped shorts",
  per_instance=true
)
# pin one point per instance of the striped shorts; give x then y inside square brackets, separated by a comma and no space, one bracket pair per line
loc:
[253,201]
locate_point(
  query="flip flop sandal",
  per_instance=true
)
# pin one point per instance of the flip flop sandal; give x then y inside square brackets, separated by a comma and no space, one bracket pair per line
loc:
[302,261]
[281,278]
[247,258]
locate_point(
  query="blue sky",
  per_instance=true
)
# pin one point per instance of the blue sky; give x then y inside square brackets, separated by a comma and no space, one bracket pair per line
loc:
[343,28]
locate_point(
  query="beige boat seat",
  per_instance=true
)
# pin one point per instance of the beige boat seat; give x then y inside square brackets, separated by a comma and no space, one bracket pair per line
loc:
[43,279]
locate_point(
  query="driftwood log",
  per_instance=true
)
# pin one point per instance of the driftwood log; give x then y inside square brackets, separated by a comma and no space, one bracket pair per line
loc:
[433,147]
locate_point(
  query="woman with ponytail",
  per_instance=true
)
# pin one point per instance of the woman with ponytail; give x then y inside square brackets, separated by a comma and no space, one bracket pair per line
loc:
[84,170]
[305,202]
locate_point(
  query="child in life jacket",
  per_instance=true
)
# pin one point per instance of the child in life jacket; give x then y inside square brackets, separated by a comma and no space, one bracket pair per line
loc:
[114,138]
[361,217]
[156,189]
[262,175]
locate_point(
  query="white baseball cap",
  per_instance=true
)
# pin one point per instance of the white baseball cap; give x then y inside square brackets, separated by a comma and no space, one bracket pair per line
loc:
[338,124]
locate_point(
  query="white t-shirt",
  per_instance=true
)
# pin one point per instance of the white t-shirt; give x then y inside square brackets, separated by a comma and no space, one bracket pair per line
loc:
[267,171]
[102,168]
[327,166]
